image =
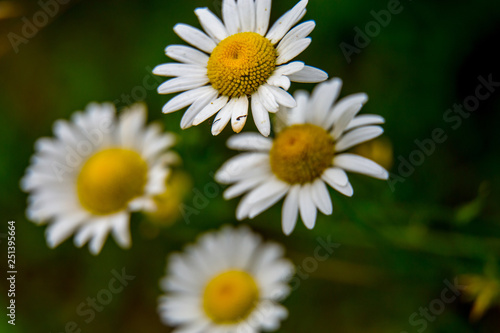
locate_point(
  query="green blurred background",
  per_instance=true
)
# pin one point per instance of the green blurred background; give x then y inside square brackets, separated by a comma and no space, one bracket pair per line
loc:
[397,247]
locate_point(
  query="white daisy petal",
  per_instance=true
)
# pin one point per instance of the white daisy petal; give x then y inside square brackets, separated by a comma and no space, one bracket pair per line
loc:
[211,109]
[274,315]
[267,190]
[233,169]
[309,74]
[186,55]
[249,141]
[307,207]
[359,164]
[231,16]
[344,111]
[130,126]
[182,83]
[65,132]
[121,230]
[195,37]
[280,78]
[300,113]
[299,32]
[280,81]
[264,204]
[243,186]
[195,108]
[260,115]
[282,97]
[358,136]
[250,200]
[329,178]
[239,115]
[62,229]
[285,22]
[187,98]
[97,241]
[267,98]
[263,12]
[246,10]
[290,68]
[290,51]
[290,210]
[181,309]
[321,197]
[365,120]
[211,24]
[337,175]
[224,116]
[322,99]
[176,69]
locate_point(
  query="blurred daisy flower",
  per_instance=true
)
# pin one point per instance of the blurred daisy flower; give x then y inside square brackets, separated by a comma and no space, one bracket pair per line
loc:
[308,152]
[230,281]
[96,171]
[241,63]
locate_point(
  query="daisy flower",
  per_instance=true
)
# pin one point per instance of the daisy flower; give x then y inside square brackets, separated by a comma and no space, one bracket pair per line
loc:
[96,171]
[237,63]
[230,281]
[309,151]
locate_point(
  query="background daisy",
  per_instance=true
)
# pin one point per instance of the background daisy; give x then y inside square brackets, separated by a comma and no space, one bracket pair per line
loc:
[96,171]
[308,152]
[229,281]
[239,63]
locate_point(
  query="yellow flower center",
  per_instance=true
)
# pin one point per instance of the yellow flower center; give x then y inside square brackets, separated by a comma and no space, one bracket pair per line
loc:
[241,63]
[230,297]
[301,153]
[110,179]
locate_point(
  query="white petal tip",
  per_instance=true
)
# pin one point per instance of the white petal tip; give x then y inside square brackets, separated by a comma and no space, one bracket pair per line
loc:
[265,131]
[216,131]
[166,109]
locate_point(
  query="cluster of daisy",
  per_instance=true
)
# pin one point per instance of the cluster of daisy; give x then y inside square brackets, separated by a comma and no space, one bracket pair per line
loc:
[100,167]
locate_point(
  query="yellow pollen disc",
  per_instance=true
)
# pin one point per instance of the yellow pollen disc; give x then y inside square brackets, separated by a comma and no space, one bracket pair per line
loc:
[241,63]
[230,297]
[301,153]
[110,179]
